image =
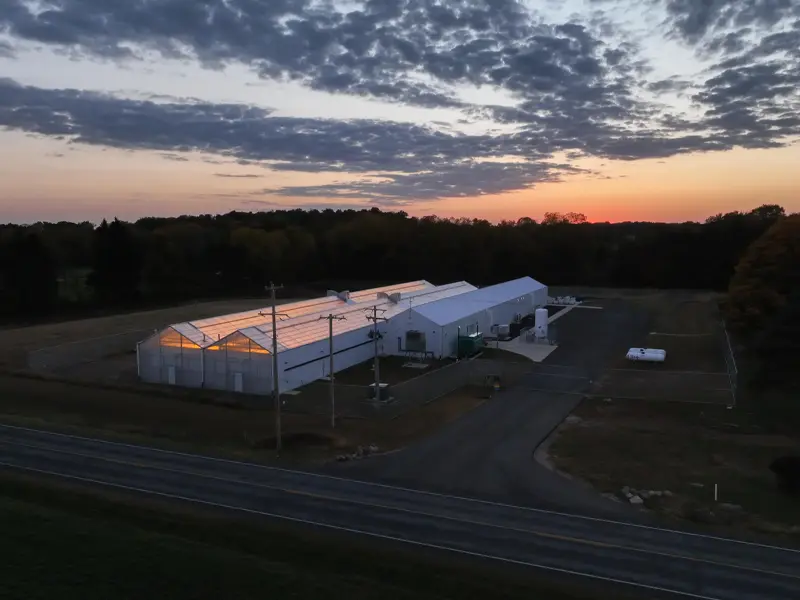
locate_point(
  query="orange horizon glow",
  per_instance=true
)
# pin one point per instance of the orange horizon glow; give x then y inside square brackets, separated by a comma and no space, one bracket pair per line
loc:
[89,184]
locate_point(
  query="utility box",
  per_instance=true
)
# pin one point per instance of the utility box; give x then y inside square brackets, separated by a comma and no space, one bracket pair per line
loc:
[470,344]
[384,394]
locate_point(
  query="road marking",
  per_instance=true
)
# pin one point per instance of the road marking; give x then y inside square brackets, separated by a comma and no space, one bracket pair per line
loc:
[468,521]
[366,533]
[665,372]
[404,489]
[337,498]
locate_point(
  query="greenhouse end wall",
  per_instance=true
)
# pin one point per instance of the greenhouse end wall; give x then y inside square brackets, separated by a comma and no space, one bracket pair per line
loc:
[169,357]
[237,364]
[234,364]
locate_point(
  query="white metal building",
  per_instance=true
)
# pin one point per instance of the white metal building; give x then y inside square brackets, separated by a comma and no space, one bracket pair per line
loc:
[233,352]
[434,327]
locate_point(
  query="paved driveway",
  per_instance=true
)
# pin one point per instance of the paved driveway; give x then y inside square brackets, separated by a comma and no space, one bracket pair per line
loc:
[488,453]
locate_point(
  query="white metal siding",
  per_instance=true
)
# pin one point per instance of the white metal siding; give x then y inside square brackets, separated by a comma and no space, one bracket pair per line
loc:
[303,365]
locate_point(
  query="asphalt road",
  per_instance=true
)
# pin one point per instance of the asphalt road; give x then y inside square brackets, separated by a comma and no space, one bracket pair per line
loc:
[488,453]
[664,563]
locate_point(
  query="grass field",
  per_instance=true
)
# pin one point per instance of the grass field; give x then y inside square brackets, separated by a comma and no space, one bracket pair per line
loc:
[392,371]
[643,428]
[69,541]
[685,449]
[688,327]
[15,342]
[241,432]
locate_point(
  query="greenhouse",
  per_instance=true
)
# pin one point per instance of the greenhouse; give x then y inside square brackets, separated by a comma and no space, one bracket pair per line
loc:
[234,352]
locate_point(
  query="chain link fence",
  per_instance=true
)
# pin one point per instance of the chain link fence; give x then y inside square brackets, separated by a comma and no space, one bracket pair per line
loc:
[730,362]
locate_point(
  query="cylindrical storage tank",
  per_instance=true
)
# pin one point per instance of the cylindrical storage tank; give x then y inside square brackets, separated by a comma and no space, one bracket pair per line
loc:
[541,316]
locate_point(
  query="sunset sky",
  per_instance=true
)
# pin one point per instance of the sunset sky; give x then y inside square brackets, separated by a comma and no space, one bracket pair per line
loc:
[666,110]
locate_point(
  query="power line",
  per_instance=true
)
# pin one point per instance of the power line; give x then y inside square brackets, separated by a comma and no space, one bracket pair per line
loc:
[276,394]
[375,337]
[331,318]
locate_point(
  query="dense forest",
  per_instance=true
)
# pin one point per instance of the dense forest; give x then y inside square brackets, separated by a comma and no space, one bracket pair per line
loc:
[61,269]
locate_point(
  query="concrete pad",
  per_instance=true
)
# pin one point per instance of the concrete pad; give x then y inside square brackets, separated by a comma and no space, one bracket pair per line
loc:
[534,352]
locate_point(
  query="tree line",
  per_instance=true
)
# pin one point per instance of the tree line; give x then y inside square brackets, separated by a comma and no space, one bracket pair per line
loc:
[62,269]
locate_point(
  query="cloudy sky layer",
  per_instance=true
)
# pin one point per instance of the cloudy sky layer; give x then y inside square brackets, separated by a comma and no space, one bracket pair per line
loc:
[622,109]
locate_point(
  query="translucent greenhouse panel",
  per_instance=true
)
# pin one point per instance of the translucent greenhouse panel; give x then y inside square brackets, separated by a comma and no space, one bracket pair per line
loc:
[240,343]
[180,359]
[215,366]
[258,379]
[148,359]
[237,363]
[170,338]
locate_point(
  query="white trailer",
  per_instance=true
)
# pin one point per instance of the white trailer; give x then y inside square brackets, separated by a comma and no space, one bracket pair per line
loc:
[646,354]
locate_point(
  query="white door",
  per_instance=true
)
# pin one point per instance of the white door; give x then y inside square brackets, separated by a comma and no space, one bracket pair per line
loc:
[238,382]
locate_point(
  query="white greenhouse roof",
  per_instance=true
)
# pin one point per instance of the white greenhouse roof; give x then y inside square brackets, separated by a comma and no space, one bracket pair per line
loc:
[371,295]
[299,323]
[308,329]
[205,332]
[215,328]
[449,310]
[438,293]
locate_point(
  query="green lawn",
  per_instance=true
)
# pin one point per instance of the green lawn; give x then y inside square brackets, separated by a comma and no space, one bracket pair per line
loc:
[63,541]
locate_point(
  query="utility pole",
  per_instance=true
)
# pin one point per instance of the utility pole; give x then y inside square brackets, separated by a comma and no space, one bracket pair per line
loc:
[331,318]
[276,394]
[375,336]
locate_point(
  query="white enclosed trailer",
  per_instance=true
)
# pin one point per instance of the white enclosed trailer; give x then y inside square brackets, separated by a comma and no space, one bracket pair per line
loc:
[646,354]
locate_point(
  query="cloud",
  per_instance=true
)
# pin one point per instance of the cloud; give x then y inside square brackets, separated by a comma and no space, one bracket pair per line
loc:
[695,20]
[467,179]
[410,51]
[172,157]
[6,50]
[579,88]
[238,176]
[252,135]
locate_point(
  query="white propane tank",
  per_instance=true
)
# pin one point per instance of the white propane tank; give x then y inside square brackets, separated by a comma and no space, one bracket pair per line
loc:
[541,316]
[647,354]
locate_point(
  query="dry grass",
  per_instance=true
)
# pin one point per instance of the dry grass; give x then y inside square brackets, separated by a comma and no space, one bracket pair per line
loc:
[14,342]
[685,449]
[688,327]
[643,430]
[240,432]
[392,371]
